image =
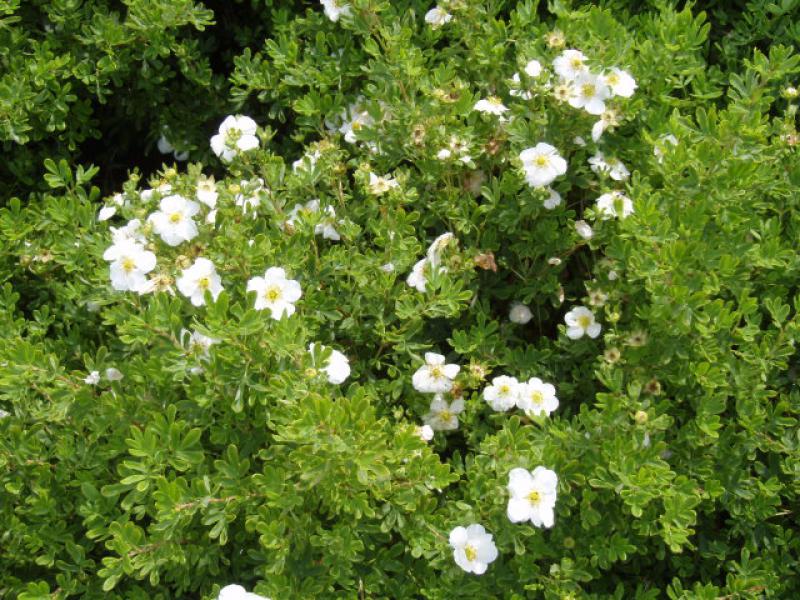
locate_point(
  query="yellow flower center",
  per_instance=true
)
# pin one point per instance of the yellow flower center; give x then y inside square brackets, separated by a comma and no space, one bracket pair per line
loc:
[587,89]
[436,372]
[445,415]
[612,79]
[128,264]
[584,321]
[470,552]
[203,283]
[534,497]
[576,63]
[537,397]
[175,217]
[504,389]
[272,294]
[541,161]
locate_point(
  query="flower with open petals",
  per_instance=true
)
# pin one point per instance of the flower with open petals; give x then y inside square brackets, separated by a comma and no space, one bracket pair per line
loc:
[620,82]
[130,262]
[473,548]
[335,9]
[542,164]
[275,292]
[173,221]
[436,17]
[198,278]
[533,496]
[614,204]
[537,397]
[590,93]
[443,415]
[337,367]
[237,592]
[570,64]
[502,394]
[580,321]
[236,134]
[491,105]
[434,377]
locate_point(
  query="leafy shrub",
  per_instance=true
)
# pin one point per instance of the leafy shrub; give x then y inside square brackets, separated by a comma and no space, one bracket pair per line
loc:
[164,441]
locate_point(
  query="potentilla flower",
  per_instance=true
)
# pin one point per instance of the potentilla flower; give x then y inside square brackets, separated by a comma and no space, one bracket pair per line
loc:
[417,278]
[516,91]
[436,17]
[542,164]
[435,377]
[570,64]
[553,200]
[163,189]
[584,229]
[249,196]
[236,134]
[337,368]
[93,378]
[113,374]
[620,82]
[473,548]
[533,68]
[195,280]
[197,344]
[380,185]
[275,292]
[502,394]
[131,231]
[354,119]
[237,592]
[612,167]
[326,227]
[173,222]
[589,92]
[434,253]
[207,191]
[130,264]
[662,145]
[580,321]
[491,105]
[306,162]
[443,154]
[106,213]
[608,120]
[335,9]
[425,433]
[537,397]
[533,496]
[519,313]
[443,415]
[597,297]
[614,204]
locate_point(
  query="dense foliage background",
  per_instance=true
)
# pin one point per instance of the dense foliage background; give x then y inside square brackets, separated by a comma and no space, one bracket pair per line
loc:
[676,441]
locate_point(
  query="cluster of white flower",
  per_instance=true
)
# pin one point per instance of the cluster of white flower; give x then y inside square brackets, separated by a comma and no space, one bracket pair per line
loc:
[326,227]
[378,185]
[111,374]
[612,167]
[532,498]
[437,16]
[438,378]
[534,397]
[457,149]
[335,9]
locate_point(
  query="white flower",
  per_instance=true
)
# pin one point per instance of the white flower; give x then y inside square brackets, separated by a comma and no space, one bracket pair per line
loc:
[553,200]
[198,278]
[197,344]
[106,213]
[443,416]
[326,226]
[589,92]
[249,198]
[443,154]
[425,433]
[533,496]
[335,9]
[519,313]
[542,164]
[337,368]
[4,413]
[173,222]
[533,68]
[306,162]
[131,262]
[516,84]
[416,278]
[492,105]
[570,64]
[473,548]
[434,253]
[113,374]
[620,82]
[580,321]
[92,378]
[354,119]
[436,17]
[162,190]
[553,261]
[275,292]
[164,146]
[502,394]
[537,397]
[584,229]
[609,118]
[236,134]
[614,204]
[207,191]
[380,185]
[579,141]
[613,167]
[434,376]
[237,592]
[388,268]
[131,231]
[661,146]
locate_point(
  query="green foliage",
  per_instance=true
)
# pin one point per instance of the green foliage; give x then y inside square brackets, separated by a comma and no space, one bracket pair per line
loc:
[676,439]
